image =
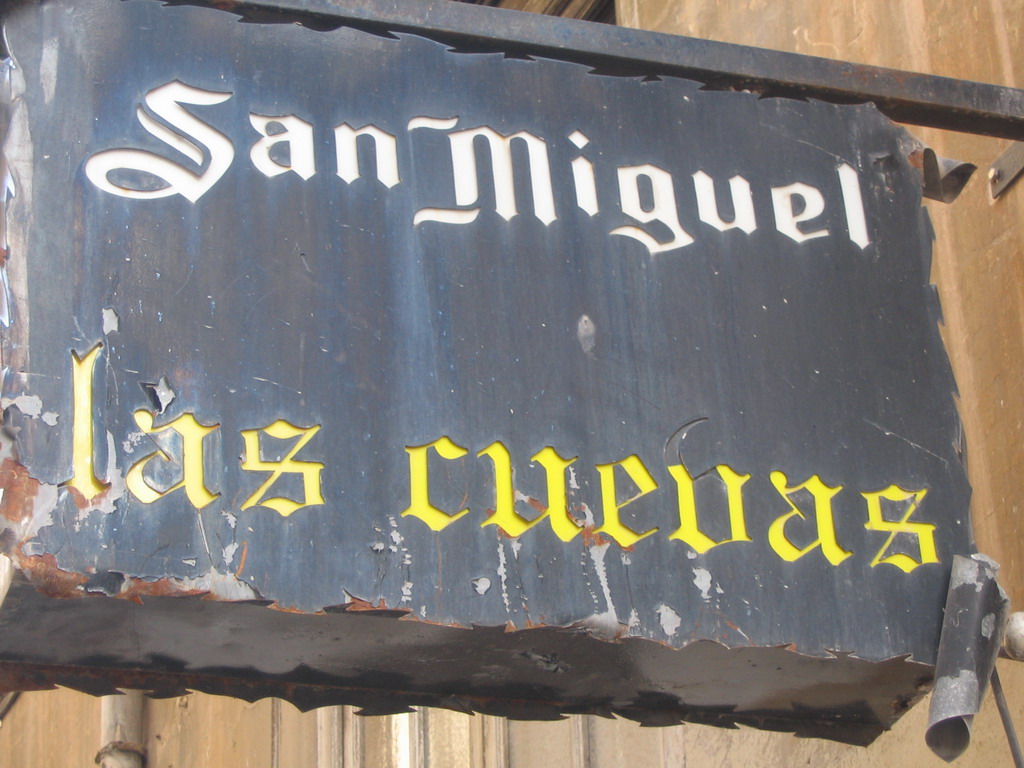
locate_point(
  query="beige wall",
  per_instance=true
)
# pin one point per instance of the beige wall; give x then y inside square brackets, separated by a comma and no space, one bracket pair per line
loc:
[979,268]
[60,729]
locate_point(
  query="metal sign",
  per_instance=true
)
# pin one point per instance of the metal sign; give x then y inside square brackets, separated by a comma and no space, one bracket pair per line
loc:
[622,394]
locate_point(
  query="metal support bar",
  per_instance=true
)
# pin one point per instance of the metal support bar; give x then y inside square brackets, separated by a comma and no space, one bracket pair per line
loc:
[908,97]
[122,734]
[1007,718]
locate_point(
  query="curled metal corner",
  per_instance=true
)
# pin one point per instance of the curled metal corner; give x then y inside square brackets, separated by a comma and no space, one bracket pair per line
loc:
[975,619]
[944,179]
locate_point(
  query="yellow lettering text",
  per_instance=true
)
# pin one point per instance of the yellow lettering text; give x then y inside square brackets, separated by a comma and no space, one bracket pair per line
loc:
[419,483]
[83,477]
[557,512]
[610,506]
[688,530]
[310,470]
[562,523]
[504,494]
[192,471]
[823,517]
[925,532]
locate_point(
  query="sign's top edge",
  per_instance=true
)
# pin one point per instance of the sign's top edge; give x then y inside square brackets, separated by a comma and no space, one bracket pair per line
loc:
[915,98]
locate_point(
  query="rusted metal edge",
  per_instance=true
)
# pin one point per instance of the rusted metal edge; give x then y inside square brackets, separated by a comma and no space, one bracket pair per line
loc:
[655,710]
[908,97]
[357,668]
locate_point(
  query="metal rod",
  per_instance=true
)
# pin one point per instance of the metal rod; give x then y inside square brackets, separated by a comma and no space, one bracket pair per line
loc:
[1004,714]
[122,734]
[918,99]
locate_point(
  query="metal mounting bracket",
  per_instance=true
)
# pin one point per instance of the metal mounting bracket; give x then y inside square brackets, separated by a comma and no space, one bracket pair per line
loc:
[1006,169]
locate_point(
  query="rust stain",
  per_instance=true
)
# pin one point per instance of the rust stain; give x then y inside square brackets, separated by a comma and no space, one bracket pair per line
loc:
[591,539]
[20,491]
[241,560]
[488,513]
[76,496]
[287,609]
[81,500]
[44,574]
[529,500]
[734,627]
[135,589]
[358,604]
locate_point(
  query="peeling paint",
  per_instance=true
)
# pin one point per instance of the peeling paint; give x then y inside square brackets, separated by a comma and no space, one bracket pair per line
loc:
[228,553]
[702,578]
[27,504]
[588,515]
[668,618]
[223,586]
[48,68]
[106,501]
[131,442]
[111,322]
[481,585]
[634,619]
[161,394]
[45,576]
[118,486]
[29,405]
[605,624]
[5,285]
[586,333]
[502,572]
